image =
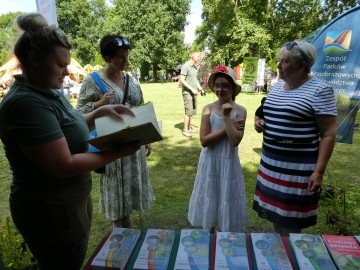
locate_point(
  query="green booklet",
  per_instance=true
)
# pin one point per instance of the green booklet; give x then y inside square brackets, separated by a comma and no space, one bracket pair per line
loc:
[310,252]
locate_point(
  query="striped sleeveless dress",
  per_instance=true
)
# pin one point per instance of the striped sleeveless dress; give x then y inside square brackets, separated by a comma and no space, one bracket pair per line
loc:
[289,153]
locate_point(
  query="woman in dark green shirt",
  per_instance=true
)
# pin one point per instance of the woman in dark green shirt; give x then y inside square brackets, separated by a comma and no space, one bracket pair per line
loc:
[45,142]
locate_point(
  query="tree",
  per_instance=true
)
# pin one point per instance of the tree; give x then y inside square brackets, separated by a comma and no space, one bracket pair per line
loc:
[233,29]
[154,28]
[334,7]
[232,32]
[83,22]
[7,35]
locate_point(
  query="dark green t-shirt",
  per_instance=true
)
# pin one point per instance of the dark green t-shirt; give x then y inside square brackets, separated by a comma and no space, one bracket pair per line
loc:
[31,116]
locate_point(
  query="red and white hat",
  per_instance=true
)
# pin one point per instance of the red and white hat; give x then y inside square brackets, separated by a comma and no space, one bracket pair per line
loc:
[227,71]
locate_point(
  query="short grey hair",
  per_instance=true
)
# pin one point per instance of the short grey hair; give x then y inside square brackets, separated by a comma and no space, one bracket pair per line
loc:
[303,51]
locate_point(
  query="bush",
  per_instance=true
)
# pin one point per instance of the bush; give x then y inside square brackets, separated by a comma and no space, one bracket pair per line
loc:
[13,250]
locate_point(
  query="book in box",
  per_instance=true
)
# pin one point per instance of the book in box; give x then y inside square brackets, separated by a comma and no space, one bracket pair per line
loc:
[231,251]
[310,252]
[155,250]
[344,250]
[116,250]
[269,252]
[193,251]
[113,132]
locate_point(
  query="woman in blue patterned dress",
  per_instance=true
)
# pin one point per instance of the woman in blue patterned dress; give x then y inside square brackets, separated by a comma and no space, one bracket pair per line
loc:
[299,127]
[125,184]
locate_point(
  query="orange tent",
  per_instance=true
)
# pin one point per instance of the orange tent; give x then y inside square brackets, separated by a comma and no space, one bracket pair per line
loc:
[76,68]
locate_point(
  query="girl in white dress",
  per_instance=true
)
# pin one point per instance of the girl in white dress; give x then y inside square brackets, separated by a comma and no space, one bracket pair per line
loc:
[218,198]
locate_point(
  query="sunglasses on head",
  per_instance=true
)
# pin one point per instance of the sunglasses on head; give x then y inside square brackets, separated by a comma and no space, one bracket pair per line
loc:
[121,41]
[292,44]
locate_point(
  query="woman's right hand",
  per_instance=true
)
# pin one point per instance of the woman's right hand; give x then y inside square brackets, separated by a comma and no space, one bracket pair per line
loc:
[107,98]
[259,124]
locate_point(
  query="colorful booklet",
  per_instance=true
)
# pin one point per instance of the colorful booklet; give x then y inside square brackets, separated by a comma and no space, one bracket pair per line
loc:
[310,252]
[344,250]
[269,252]
[155,250]
[231,251]
[194,249]
[117,249]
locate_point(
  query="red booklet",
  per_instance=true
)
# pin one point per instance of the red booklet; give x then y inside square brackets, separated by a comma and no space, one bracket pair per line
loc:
[344,250]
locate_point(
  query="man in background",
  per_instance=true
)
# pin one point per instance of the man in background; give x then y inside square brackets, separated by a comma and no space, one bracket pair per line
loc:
[190,84]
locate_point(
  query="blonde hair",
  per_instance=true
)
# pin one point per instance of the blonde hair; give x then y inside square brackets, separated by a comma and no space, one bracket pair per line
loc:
[37,36]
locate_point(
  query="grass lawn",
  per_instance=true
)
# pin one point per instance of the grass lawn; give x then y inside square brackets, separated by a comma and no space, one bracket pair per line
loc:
[173,165]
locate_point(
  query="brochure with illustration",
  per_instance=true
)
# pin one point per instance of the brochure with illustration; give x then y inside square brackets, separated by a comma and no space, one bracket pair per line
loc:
[155,250]
[231,251]
[116,250]
[310,252]
[269,252]
[194,249]
[113,132]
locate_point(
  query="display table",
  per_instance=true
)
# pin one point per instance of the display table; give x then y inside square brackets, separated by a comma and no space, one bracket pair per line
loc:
[171,264]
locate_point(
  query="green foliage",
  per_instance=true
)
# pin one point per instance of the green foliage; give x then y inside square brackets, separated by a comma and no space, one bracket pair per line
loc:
[7,35]
[154,28]
[83,22]
[335,8]
[13,251]
[234,29]
[342,101]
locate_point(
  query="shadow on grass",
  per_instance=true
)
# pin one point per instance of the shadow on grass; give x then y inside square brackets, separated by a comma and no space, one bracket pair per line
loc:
[257,150]
[173,168]
[180,126]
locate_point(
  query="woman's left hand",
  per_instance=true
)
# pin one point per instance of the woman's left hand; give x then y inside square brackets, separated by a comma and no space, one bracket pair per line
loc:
[148,149]
[315,182]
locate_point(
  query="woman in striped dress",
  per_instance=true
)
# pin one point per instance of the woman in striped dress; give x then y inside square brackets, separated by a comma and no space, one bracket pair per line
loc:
[299,126]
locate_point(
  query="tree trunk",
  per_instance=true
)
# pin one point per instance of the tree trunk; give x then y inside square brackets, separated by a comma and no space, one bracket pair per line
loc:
[155,68]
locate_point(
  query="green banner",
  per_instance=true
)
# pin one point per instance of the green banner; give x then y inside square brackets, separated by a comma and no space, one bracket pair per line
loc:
[250,67]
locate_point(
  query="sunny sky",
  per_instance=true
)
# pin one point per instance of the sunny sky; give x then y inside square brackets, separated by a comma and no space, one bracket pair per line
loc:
[194,19]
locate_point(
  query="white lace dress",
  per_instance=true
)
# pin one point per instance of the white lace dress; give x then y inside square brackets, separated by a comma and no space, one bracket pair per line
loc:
[218,198]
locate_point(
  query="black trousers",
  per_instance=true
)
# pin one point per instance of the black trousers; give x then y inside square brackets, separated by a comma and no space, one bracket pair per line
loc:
[57,235]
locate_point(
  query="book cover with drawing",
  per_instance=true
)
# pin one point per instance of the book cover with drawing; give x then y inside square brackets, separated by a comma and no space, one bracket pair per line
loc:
[344,250]
[193,251]
[231,251]
[113,132]
[310,252]
[269,252]
[116,250]
[155,250]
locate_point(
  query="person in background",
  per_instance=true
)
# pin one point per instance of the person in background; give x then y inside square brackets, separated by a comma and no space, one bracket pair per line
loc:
[80,79]
[45,142]
[218,198]
[125,185]
[190,84]
[299,126]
